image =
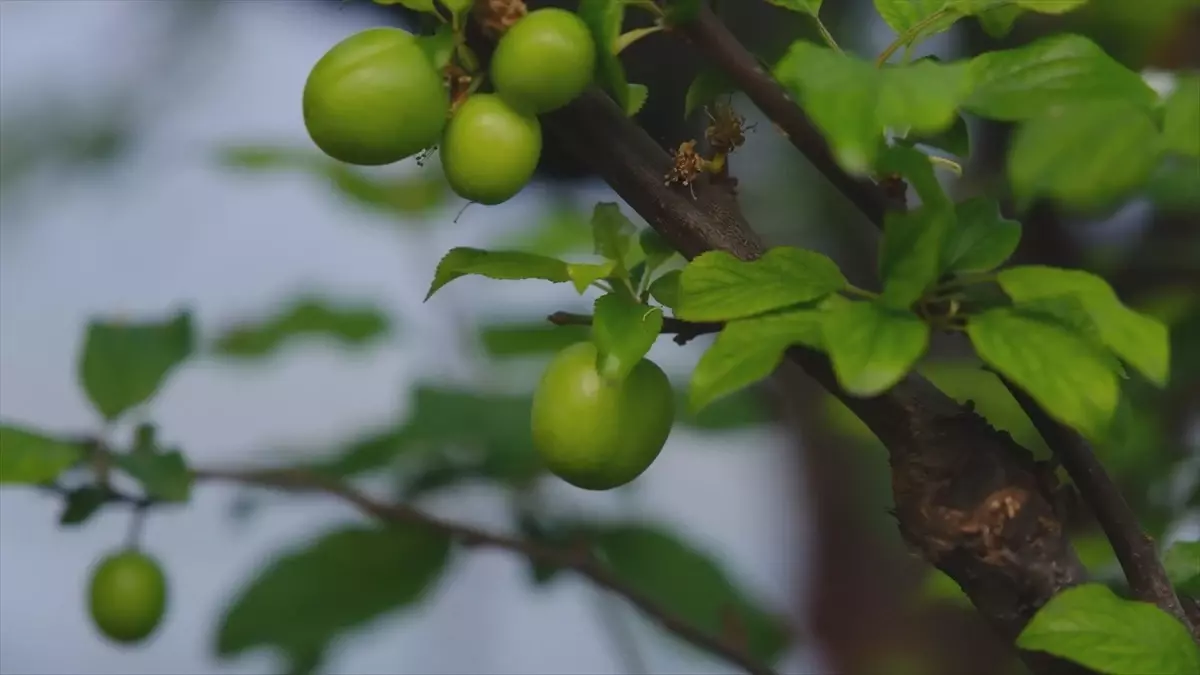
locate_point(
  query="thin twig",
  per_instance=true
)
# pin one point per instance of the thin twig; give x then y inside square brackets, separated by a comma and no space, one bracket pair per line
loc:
[1135,550]
[1136,553]
[684,331]
[579,561]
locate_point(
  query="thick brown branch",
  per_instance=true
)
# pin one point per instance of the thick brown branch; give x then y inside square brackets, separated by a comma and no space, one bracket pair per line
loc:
[684,331]
[579,561]
[1135,550]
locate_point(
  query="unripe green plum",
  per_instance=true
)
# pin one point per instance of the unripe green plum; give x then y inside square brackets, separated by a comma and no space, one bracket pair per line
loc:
[375,98]
[546,60]
[127,596]
[490,151]
[595,433]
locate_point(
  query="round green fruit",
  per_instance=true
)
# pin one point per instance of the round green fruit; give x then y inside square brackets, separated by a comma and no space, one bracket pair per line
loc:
[490,150]
[544,61]
[128,596]
[594,433]
[375,98]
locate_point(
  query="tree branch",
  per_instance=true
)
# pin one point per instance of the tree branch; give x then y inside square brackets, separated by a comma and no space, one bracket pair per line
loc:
[1138,558]
[722,48]
[1135,550]
[684,331]
[581,562]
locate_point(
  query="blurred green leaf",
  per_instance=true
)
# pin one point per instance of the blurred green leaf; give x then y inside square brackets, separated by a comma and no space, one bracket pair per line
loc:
[1181,119]
[561,231]
[707,86]
[812,7]
[903,15]
[31,457]
[1061,70]
[853,102]
[123,364]
[955,140]
[1175,184]
[304,600]
[612,232]
[605,18]
[665,289]
[716,286]
[1090,625]
[523,339]
[739,410]
[81,504]
[1085,156]
[689,583]
[510,265]
[163,473]
[1183,567]
[351,325]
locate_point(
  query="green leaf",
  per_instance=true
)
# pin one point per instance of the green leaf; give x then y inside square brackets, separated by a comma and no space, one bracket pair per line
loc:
[439,46]
[709,84]
[1090,625]
[1061,370]
[123,364]
[458,7]
[739,410]
[981,240]
[31,457]
[584,275]
[604,19]
[1183,567]
[164,474]
[656,249]
[665,289]
[82,503]
[425,6]
[1181,118]
[1084,155]
[998,22]
[1051,6]
[635,98]
[916,167]
[1034,80]
[910,253]
[1141,340]
[612,232]
[681,11]
[812,7]
[902,15]
[624,331]
[872,347]
[749,350]
[955,140]
[1175,185]
[352,325]
[689,584]
[716,286]
[496,265]
[305,599]
[852,102]
[523,339]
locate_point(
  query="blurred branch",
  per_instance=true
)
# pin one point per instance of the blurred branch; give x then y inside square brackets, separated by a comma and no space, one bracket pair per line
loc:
[684,331]
[1135,550]
[579,560]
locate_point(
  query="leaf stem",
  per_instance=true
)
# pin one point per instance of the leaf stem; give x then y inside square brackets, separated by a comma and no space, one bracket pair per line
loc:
[851,289]
[826,35]
[909,35]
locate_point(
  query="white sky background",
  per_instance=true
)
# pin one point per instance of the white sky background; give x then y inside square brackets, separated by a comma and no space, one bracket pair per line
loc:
[169,228]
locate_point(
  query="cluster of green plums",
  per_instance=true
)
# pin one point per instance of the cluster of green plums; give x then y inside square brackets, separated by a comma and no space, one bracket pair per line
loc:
[377,98]
[127,596]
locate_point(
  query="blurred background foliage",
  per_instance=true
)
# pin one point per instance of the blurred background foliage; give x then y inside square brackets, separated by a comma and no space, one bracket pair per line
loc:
[474,430]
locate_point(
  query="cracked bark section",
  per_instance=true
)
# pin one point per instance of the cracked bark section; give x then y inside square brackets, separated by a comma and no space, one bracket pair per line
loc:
[968,498]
